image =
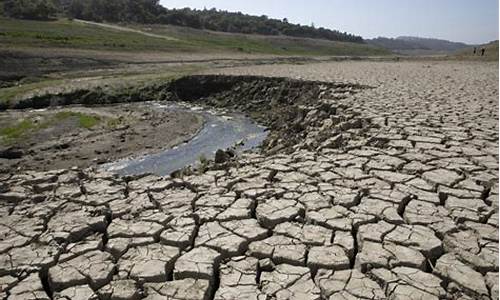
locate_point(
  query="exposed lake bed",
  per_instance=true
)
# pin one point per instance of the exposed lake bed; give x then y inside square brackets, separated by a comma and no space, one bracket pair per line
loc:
[82,136]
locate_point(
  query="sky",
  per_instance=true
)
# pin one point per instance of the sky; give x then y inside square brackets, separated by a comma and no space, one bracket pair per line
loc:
[469,21]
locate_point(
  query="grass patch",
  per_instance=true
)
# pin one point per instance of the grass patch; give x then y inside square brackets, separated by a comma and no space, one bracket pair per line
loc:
[84,120]
[73,34]
[26,127]
[17,131]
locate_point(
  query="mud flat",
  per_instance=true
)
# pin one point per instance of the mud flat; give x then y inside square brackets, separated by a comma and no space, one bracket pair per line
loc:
[63,137]
[376,181]
[221,130]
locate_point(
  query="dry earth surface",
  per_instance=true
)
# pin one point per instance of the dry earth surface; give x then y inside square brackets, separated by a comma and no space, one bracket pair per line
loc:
[120,131]
[400,201]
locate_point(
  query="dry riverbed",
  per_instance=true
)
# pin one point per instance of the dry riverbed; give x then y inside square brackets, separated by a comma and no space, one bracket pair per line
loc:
[84,136]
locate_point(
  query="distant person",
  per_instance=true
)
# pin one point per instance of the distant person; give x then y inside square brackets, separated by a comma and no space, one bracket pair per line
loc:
[482,51]
[475,50]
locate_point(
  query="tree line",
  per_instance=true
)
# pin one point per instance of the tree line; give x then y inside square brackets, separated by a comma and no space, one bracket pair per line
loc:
[151,12]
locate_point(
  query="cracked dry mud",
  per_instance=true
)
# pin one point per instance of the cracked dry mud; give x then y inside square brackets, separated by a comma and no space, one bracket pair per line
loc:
[403,206]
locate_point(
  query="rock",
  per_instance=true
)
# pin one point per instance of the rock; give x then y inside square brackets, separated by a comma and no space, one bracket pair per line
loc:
[221,156]
[13,197]
[266,264]
[11,153]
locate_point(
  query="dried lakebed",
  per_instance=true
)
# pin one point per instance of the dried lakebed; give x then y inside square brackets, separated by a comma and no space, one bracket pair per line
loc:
[389,192]
[67,136]
[221,130]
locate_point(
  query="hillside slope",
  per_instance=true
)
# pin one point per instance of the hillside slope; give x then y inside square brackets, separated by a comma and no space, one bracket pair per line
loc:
[417,45]
[490,54]
[74,34]
[153,12]
[35,55]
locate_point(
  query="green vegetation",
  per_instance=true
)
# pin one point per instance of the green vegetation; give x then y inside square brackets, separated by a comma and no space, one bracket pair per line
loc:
[151,12]
[84,121]
[70,34]
[74,34]
[25,127]
[29,9]
[17,131]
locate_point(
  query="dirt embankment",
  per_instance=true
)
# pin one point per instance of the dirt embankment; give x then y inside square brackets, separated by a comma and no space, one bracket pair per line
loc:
[298,114]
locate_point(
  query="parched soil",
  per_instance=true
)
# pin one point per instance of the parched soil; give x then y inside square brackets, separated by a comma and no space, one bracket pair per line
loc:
[386,192]
[56,142]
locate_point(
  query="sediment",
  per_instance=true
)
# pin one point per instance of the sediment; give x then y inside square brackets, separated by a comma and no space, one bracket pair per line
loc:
[387,190]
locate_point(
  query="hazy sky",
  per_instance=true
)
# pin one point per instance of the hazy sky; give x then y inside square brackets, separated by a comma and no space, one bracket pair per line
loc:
[470,21]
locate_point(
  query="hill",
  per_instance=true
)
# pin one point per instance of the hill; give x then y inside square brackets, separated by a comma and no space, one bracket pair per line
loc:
[33,51]
[83,35]
[417,45]
[490,53]
[151,12]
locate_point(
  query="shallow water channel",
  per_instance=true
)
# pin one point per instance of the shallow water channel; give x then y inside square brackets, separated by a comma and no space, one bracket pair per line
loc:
[220,131]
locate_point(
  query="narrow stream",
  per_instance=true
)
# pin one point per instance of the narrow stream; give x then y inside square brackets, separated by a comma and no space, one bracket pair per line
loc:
[220,131]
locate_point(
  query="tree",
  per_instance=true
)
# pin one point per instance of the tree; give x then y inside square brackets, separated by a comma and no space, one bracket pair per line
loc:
[30,9]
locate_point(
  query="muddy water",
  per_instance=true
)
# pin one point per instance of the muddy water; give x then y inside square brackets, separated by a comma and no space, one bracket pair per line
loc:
[220,131]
